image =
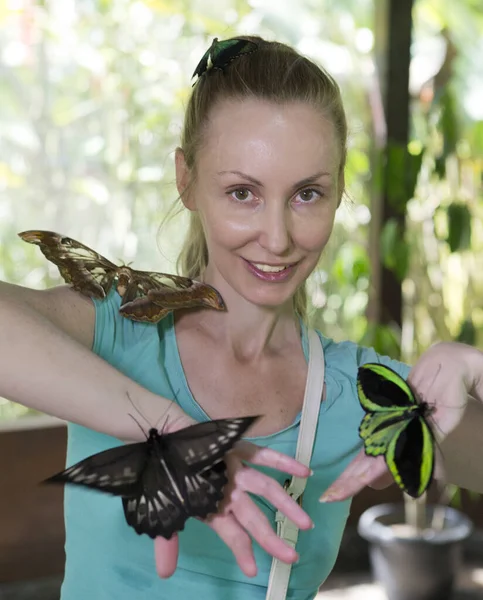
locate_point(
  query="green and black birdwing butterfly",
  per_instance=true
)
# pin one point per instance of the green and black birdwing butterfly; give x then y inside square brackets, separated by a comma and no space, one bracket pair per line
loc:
[220,54]
[396,426]
[93,275]
[166,479]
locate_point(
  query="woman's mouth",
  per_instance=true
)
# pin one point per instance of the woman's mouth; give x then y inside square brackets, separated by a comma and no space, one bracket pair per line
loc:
[273,273]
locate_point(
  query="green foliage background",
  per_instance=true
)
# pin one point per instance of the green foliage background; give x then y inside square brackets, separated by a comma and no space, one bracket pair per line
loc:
[91,105]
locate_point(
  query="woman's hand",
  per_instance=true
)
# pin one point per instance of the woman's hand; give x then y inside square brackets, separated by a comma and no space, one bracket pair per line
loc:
[239,518]
[443,377]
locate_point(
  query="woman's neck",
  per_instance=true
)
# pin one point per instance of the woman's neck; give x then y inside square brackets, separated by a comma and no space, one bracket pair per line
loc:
[245,330]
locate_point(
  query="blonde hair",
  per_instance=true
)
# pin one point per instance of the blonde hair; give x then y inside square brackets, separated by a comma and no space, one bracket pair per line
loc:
[274,72]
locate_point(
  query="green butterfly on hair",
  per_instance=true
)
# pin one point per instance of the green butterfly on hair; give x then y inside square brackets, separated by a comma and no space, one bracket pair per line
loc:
[220,54]
[396,426]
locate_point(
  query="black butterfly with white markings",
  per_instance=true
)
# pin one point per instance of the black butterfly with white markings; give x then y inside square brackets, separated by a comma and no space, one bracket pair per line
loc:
[166,479]
[220,54]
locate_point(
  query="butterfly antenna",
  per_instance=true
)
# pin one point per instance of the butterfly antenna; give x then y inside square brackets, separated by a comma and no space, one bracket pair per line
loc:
[165,414]
[137,410]
[165,424]
[138,423]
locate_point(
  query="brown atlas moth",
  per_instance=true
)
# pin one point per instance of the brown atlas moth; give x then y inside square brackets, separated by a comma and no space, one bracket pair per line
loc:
[145,296]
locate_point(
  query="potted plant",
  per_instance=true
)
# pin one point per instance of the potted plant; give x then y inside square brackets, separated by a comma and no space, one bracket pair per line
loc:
[415,548]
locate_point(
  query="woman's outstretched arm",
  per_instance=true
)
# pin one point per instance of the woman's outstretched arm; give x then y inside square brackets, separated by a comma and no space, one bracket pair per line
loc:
[47,364]
[448,376]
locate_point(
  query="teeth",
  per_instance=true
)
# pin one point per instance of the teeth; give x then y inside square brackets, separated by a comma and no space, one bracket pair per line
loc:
[268,268]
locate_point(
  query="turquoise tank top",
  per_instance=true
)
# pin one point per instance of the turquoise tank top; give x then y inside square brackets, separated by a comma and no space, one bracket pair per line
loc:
[107,560]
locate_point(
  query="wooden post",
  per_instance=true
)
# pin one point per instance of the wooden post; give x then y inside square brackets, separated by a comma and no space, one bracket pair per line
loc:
[393,26]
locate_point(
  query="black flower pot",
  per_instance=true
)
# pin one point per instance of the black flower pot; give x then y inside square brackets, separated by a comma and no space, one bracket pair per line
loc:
[416,565]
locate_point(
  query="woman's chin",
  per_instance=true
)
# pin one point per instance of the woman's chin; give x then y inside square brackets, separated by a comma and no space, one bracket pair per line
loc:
[268,298]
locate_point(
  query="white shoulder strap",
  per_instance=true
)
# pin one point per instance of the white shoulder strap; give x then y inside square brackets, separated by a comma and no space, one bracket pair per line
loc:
[280,572]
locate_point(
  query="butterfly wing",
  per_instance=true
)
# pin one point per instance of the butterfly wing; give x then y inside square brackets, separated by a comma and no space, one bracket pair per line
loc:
[395,426]
[81,267]
[169,493]
[116,471]
[220,54]
[186,479]
[381,389]
[378,429]
[226,51]
[410,457]
[202,445]
[156,507]
[203,491]
[202,66]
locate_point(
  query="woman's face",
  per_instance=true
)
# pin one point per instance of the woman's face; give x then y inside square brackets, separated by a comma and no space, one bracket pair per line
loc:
[266,190]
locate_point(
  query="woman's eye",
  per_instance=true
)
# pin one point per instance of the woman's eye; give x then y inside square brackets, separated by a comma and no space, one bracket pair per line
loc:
[309,195]
[241,194]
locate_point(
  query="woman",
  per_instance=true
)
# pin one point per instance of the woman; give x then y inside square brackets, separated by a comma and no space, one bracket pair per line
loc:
[261,170]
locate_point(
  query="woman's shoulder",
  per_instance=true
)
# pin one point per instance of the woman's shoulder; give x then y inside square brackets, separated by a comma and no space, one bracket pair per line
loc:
[343,358]
[113,331]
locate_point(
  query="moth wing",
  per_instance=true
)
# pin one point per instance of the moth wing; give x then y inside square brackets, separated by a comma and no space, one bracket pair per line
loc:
[143,310]
[81,267]
[116,471]
[169,281]
[380,388]
[142,282]
[410,457]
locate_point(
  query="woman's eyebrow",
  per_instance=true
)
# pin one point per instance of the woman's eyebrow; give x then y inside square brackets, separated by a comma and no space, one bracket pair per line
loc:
[300,183]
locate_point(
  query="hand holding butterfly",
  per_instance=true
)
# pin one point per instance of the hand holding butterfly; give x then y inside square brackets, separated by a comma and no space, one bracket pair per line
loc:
[448,377]
[238,517]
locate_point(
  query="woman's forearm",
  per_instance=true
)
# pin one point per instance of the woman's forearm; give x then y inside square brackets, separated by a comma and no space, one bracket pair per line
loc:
[475,371]
[44,368]
[462,450]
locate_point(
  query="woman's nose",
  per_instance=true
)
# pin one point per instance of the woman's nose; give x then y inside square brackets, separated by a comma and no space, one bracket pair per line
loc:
[275,231]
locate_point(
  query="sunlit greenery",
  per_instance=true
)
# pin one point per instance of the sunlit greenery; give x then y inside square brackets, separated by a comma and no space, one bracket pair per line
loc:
[92,99]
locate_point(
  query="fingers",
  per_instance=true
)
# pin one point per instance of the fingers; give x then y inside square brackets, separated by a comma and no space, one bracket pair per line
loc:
[271,458]
[166,555]
[361,472]
[258,526]
[260,484]
[237,539]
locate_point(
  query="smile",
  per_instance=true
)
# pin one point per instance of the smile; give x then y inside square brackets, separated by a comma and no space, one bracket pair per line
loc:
[270,268]
[272,273]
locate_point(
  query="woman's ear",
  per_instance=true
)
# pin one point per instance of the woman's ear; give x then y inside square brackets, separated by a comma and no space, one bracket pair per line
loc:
[183,179]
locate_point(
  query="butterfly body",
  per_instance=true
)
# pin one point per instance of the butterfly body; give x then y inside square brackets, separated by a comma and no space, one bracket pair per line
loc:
[91,274]
[220,54]
[166,479]
[396,426]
